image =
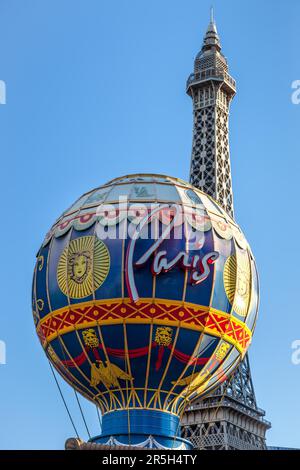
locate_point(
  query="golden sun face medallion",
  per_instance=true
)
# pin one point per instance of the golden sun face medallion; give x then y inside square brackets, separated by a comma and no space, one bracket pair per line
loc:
[83,267]
[237,282]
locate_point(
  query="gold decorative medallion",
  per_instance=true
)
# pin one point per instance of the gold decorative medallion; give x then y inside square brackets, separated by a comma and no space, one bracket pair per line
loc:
[40,262]
[237,282]
[52,354]
[40,304]
[222,351]
[163,335]
[90,338]
[83,267]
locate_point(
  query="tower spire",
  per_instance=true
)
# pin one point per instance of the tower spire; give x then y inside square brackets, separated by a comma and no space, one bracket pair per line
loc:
[211,38]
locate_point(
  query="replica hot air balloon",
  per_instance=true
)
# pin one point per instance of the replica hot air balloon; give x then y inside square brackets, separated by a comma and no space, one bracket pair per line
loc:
[145,296]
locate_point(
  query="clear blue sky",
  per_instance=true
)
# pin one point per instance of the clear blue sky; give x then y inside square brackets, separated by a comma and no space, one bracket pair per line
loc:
[96,89]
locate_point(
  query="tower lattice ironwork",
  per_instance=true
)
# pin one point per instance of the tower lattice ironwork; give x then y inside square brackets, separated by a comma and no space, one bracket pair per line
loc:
[229,418]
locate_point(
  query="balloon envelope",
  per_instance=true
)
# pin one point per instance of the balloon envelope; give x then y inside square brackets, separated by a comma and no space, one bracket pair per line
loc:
[145,294]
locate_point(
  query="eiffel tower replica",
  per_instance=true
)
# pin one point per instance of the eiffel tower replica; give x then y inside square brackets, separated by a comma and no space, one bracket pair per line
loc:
[229,418]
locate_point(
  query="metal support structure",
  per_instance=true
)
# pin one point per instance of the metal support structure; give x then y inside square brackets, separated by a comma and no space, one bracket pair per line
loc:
[228,418]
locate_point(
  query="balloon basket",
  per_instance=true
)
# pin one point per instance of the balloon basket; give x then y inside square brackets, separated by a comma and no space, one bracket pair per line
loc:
[142,428]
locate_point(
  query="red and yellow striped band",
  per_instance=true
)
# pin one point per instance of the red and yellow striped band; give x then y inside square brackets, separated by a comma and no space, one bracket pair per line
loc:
[146,311]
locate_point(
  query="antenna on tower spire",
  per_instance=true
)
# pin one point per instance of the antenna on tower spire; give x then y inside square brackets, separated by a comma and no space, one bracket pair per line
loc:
[212,20]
